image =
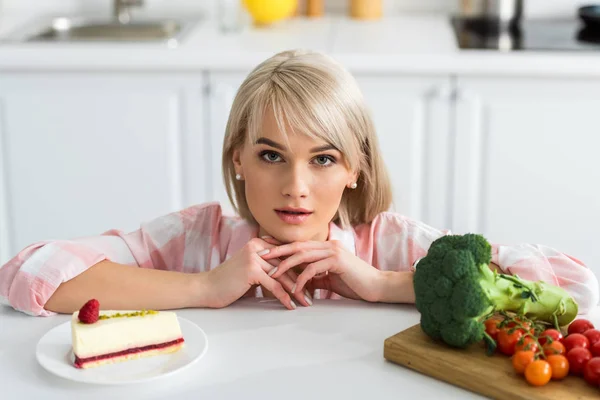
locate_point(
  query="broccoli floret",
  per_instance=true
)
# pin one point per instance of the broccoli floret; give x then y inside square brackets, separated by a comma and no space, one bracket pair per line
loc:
[456,290]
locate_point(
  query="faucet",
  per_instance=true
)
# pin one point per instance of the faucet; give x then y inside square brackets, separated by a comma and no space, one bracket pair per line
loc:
[122,9]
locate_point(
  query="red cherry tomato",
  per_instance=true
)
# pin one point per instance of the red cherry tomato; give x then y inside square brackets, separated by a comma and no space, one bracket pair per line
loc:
[552,333]
[491,327]
[595,349]
[507,340]
[579,326]
[577,358]
[591,371]
[576,340]
[593,336]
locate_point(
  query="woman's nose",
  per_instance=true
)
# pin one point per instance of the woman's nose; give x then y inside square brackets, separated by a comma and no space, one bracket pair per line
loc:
[296,184]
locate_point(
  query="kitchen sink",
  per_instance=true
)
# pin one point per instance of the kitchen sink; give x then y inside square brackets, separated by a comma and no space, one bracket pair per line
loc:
[66,29]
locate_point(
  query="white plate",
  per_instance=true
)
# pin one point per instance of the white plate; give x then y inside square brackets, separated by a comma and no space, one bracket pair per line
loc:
[54,353]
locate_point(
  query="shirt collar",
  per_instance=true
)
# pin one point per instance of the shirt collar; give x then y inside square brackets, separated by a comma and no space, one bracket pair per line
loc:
[345,236]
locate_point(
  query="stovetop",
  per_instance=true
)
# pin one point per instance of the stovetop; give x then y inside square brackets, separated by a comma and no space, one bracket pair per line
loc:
[529,35]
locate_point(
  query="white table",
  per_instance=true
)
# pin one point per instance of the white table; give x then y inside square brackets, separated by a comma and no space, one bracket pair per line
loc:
[257,349]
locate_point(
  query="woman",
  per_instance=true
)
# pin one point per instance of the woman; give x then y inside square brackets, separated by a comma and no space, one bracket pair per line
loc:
[303,170]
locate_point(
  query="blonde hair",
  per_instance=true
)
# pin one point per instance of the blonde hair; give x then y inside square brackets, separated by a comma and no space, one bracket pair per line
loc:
[314,95]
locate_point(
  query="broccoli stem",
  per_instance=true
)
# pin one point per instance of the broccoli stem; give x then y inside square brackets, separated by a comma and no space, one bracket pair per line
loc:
[537,300]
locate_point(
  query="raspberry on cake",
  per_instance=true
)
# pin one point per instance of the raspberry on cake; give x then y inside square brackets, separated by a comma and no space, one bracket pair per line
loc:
[108,336]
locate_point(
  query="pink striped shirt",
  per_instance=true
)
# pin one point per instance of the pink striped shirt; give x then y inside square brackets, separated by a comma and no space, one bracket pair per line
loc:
[200,238]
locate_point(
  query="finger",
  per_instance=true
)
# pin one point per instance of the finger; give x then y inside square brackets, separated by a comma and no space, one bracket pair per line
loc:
[271,266]
[305,256]
[311,270]
[291,248]
[288,280]
[277,289]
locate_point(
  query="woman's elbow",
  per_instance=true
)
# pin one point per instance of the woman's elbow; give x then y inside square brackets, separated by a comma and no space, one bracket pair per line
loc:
[587,294]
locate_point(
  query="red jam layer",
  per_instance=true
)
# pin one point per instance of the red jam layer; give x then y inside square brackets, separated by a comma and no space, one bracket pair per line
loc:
[79,362]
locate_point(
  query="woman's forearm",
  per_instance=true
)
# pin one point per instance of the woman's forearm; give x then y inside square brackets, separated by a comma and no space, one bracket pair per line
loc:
[120,287]
[396,287]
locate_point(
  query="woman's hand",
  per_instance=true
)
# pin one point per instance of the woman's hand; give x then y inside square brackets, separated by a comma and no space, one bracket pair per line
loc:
[288,279]
[235,277]
[327,265]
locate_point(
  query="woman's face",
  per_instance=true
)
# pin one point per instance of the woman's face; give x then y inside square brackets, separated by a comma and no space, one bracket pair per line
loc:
[293,193]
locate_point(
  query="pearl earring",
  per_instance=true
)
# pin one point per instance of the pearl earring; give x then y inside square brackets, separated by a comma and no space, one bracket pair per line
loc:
[238,177]
[353,186]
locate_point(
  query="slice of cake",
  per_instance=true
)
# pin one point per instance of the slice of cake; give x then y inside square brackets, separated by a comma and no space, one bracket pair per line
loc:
[109,336]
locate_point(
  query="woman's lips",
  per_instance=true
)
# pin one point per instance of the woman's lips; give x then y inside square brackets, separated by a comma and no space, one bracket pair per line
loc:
[292,217]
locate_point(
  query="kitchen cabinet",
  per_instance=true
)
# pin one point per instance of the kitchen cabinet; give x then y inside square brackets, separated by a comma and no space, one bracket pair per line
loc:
[82,153]
[526,163]
[222,88]
[412,115]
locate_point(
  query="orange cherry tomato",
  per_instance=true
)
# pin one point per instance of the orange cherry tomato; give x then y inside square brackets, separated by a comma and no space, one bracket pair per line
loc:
[538,373]
[554,348]
[521,359]
[559,365]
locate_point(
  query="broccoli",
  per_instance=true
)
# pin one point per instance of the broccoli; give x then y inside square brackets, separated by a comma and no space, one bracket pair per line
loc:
[455,291]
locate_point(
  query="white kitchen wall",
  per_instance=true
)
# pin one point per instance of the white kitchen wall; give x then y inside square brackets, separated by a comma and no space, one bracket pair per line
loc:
[533,8]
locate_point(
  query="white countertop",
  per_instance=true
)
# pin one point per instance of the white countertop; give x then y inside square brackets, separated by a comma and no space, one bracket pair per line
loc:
[408,44]
[256,349]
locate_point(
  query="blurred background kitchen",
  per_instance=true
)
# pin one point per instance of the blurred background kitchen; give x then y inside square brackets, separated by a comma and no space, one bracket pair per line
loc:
[488,112]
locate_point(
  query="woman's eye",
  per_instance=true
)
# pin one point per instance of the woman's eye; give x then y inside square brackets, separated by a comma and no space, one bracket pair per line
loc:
[324,161]
[270,156]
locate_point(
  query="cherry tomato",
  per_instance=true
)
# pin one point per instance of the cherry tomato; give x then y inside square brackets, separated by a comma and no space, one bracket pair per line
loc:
[554,348]
[552,333]
[491,327]
[580,326]
[591,371]
[521,359]
[526,343]
[595,349]
[578,357]
[575,340]
[559,365]
[593,336]
[538,373]
[507,340]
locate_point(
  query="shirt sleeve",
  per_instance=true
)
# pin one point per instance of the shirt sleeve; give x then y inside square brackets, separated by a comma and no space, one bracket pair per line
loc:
[537,262]
[393,242]
[30,278]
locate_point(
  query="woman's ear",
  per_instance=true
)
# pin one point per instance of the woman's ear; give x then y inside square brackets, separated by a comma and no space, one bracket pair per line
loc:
[355,176]
[237,160]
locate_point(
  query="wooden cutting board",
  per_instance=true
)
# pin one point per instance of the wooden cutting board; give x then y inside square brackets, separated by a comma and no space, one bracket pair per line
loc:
[472,369]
